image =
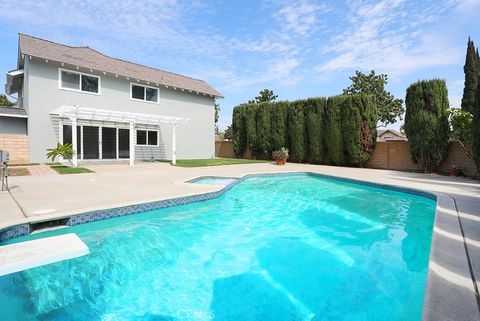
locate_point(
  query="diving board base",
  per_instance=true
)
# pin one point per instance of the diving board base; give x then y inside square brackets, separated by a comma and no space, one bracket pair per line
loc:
[26,255]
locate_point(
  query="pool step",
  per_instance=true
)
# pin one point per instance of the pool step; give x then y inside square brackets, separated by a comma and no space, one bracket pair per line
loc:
[26,255]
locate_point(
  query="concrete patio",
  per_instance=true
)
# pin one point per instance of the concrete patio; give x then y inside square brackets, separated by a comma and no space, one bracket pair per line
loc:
[456,260]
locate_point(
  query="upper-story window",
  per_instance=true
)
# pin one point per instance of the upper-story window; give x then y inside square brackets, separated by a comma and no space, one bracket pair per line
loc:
[144,93]
[77,81]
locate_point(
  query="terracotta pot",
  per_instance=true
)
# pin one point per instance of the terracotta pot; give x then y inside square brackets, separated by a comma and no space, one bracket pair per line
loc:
[453,171]
[280,161]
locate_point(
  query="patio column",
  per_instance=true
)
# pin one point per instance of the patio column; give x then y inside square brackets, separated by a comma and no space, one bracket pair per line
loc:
[174,144]
[60,134]
[74,142]
[132,144]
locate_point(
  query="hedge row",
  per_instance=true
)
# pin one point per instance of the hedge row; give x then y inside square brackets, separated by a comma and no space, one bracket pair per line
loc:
[339,130]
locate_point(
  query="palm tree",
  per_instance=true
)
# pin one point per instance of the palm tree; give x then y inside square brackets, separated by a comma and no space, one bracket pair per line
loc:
[63,150]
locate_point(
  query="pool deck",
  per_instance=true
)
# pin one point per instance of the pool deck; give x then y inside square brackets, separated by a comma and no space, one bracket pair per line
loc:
[451,294]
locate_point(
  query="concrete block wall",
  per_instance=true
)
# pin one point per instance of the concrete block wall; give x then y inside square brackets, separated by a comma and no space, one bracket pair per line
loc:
[393,155]
[456,156]
[18,146]
[387,155]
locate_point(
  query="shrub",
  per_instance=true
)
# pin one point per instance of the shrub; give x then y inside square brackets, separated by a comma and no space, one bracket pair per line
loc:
[282,153]
[426,122]
[296,130]
[314,111]
[333,130]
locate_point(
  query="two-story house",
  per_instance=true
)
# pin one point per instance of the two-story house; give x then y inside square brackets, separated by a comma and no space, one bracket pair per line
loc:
[107,108]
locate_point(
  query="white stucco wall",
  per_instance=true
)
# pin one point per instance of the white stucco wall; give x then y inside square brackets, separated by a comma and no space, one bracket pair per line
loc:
[195,139]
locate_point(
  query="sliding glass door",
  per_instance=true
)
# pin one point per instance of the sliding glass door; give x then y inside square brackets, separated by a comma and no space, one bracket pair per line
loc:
[109,143]
[90,143]
[123,143]
[115,142]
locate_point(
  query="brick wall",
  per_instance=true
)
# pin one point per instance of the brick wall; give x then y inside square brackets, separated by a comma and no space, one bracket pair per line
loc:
[18,146]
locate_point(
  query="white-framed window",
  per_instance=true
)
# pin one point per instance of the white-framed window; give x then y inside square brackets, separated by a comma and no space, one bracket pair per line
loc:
[147,137]
[78,81]
[144,93]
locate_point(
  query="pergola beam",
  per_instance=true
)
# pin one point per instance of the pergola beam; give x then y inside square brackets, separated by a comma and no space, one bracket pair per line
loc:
[75,113]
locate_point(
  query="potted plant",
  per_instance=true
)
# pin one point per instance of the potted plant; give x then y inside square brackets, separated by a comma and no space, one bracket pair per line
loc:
[280,156]
[454,170]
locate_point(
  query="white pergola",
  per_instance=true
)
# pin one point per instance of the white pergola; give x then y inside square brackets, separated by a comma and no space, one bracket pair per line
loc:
[75,113]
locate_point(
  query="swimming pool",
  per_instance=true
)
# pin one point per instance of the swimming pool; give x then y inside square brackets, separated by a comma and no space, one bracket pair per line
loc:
[294,247]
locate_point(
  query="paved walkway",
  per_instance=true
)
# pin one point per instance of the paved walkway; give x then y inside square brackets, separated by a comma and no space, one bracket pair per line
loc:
[41,170]
[113,185]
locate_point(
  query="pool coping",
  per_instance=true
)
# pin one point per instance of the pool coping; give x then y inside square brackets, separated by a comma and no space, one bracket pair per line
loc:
[450,293]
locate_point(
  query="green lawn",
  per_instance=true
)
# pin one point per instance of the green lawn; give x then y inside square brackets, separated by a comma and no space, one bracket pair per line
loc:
[216,162]
[61,169]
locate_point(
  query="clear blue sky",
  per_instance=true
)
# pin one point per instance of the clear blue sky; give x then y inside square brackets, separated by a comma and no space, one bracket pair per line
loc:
[298,48]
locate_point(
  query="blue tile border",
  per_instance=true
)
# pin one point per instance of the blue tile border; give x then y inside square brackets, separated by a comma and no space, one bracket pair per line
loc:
[93,216]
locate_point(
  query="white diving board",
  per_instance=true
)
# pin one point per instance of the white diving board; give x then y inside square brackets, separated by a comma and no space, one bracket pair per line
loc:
[26,255]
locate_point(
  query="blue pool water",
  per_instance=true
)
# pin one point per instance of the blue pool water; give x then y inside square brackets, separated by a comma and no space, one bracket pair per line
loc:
[279,248]
[214,180]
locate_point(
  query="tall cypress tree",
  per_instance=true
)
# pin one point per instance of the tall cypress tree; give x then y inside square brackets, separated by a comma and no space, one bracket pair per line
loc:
[239,130]
[476,131]
[426,122]
[278,125]
[314,112]
[333,130]
[472,72]
[296,130]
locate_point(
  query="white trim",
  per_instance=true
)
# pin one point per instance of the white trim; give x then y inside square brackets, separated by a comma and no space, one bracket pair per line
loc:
[144,93]
[146,142]
[86,113]
[13,116]
[79,90]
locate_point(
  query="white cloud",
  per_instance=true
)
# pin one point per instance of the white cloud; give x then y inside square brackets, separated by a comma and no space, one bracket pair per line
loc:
[300,17]
[383,36]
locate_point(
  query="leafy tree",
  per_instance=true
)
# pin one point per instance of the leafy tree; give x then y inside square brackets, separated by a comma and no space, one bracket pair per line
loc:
[461,127]
[333,130]
[265,95]
[389,108]
[5,102]
[296,130]
[228,133]
[314,113]
[472,72]
[62,150]
[426,122]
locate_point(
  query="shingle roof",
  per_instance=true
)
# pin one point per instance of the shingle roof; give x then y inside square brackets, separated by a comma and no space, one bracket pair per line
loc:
[91,59]
[393,131]
[12,111]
